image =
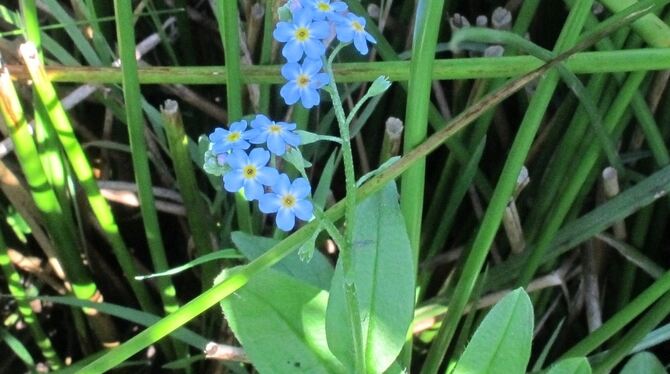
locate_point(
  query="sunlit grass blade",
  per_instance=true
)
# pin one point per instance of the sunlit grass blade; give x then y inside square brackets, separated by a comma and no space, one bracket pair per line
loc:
[16,289]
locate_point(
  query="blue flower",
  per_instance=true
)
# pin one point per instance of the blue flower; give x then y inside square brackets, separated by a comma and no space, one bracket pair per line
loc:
[235,138]
[352,28]
[277,135]
[288,200]
[249,172]
[303,82]
[326,9]
[302,35]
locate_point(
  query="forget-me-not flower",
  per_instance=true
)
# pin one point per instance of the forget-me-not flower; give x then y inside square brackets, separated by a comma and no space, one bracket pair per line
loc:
[288,200]
[234,138]
[326,9]
[304,81]
[277,135]
[249,172]
[352,28]
[302,35]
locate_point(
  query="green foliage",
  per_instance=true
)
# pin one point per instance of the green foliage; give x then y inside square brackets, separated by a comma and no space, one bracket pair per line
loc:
[643,362]
[280,322]
[576,365]
[384,284]
[501,344]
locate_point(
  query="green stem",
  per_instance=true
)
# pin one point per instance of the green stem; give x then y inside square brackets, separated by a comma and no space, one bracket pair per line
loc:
[346,252]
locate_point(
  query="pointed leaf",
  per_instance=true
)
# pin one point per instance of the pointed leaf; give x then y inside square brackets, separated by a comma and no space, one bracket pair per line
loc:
[575,365]
[501,343]
[643,362]
[317,272]
[280,322]
[384,284]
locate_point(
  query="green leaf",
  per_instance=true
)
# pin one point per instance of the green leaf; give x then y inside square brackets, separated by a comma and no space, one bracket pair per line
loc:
[318,272]
[307,137]
[384,284]
[17,347]
[378,170]
[643,362]
[575,365]
[502,342]
[294,157]
[280,322]
[218,255]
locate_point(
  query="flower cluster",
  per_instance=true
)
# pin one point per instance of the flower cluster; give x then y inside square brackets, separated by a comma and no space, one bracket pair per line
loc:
[306,34]
[250,171]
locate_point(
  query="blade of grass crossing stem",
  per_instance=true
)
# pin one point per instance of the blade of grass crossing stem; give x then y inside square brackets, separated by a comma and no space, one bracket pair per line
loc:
[82,169]
[196,212]
[14,284]
[226,13]
[65,242]
[397,71]
[132,99]
[212,296]
[503,191]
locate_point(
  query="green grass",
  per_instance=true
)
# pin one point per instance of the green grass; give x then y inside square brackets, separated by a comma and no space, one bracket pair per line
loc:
[592,93]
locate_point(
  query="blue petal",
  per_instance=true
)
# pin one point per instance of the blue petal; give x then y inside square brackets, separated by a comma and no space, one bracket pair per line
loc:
[302,17]
[303,209]
[338,6]
[290,92]
[218,135]
[290,71]
[319,80]
[276,144]
[267,175]
[238,126]
[292,51]
[253,190]
[269,203]
[285,219]
[291,138]
[260,121]
[220,147]
[309,98]
[240,144]
[370,38]
[320,30]
[344,33]
[360,44]
[282,185]
[256,136]
[233,181]
[314,48]
[259,157]
[287,125]
[283,32]
[311,66]
[237,159]
[300,188]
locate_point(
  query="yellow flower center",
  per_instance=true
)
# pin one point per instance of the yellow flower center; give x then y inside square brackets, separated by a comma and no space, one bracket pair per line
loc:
[275,129]
[234,136]
[288,201]
[249,172]
[302,81]
[357,26]
[302,34]
[324,7]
